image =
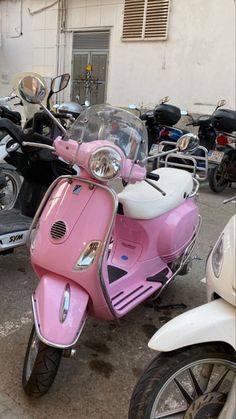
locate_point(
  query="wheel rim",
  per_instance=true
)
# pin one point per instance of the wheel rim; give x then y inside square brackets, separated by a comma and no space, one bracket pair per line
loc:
[9,193]
[32,355]
[197,391]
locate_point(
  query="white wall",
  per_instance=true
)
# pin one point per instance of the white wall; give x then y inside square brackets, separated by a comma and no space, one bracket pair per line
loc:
[195,66]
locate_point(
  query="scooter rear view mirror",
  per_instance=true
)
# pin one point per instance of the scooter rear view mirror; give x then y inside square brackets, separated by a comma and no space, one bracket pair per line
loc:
[220,103]
[164,100]
[32,89]
[188,143]
[60,82]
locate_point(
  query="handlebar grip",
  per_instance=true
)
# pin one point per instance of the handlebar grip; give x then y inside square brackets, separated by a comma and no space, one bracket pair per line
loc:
[152,176]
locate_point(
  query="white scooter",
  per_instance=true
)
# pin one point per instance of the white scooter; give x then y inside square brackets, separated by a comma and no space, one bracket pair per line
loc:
[194,375]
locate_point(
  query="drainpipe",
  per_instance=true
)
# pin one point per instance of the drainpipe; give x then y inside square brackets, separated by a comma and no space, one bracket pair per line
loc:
[21,22]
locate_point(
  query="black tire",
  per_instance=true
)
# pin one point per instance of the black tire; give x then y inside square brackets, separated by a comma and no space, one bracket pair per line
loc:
[44,369]
[12,189]
[216,179]
[163,368]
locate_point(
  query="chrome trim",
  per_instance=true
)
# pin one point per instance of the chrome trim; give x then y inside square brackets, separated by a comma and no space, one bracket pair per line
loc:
[47,342]
[65,304]
[186,255]
[38,145]
[195,191]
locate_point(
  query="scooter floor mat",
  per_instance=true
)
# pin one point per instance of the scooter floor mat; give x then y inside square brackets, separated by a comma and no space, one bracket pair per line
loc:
[12,221]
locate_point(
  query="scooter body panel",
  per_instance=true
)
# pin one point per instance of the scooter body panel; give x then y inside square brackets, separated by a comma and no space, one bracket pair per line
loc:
[165,236]
[142,250]
[60,308]
[211,322]
[224,285]
[88,218]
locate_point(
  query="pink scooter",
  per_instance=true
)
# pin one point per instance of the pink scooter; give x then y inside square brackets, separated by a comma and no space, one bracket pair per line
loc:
[97,252]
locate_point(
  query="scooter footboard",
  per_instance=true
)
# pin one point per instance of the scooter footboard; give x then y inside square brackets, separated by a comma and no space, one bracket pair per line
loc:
[60,308]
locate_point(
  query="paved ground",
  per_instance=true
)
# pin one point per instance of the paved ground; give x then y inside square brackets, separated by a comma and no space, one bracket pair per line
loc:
[98,383]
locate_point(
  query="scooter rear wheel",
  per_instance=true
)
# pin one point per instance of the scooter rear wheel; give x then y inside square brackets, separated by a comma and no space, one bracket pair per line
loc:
[40,366]
[216,178]
[12,189]
[191,383]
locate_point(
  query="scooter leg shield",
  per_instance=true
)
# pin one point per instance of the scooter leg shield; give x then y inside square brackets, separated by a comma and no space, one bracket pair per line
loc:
[211,322]
[60,308]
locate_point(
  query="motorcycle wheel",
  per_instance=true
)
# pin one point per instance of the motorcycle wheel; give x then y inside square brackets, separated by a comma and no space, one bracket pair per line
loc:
[216,178]
[189,383]
[40,366]
[10,192]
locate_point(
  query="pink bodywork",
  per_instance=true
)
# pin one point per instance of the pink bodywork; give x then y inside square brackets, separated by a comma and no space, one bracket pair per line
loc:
[140,248]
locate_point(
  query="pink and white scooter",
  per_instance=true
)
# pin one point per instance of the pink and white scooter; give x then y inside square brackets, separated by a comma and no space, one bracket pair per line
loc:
[97,252]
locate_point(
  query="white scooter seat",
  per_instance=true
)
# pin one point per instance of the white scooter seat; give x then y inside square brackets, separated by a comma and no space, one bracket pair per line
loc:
[143,202]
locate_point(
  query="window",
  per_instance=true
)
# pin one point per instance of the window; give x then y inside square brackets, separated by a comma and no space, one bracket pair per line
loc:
[145,20]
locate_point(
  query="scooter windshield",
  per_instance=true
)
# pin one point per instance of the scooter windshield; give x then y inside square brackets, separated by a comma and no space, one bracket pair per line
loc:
[106,123]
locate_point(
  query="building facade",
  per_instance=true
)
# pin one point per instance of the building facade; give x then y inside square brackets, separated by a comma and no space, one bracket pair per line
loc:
[124,51]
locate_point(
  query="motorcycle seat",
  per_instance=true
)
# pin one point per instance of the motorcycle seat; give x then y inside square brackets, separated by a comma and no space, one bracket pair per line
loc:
[142,201]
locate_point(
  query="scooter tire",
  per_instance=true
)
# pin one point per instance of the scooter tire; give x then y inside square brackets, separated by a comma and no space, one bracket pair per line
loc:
[13,177]
[215,183]
[44,368]
[163,368]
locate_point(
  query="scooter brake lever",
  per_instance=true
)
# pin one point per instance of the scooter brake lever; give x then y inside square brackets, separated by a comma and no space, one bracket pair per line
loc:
[155,186]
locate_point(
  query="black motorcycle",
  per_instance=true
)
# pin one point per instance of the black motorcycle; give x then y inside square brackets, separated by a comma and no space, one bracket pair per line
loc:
[223,157]
[38,168]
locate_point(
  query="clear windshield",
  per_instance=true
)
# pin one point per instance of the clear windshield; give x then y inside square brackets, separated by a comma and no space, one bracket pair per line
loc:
[106,123]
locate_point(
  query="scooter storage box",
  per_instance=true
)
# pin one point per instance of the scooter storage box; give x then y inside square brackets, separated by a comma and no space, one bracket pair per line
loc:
[224,120]
[166,114]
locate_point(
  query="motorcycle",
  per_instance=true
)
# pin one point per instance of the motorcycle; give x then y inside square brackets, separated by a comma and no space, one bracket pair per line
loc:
[223,158]
[194,375]
[10,182]
[39,168]
[144,237]
[160,125]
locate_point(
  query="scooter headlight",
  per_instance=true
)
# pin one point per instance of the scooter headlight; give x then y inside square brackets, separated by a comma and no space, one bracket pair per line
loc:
[105,163]
[217,257]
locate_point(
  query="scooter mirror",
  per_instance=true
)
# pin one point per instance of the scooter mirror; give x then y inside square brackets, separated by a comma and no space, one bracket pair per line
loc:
[188,143]
[164,100]
[220,103]
[32,89]
[59,83]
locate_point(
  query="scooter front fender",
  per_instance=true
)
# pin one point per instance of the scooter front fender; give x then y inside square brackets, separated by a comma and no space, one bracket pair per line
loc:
[211,322]
[60,308]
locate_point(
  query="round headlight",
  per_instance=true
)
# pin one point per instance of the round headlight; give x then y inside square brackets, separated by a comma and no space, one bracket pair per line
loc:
[105,163]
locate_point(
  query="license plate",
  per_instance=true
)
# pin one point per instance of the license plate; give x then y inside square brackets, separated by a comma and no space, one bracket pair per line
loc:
[215,156]
[156,148]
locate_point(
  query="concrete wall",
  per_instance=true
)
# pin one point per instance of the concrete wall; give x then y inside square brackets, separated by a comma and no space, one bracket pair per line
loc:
[195,66]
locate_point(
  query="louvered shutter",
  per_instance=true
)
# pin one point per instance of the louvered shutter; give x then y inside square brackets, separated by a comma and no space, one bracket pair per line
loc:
[145,19]
[157,13]
[133,19]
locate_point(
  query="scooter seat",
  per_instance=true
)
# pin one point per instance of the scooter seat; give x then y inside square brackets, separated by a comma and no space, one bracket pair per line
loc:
[142,201]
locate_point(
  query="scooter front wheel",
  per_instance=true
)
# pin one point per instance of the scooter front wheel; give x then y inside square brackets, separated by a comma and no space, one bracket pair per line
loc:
[40,366]
[189,383]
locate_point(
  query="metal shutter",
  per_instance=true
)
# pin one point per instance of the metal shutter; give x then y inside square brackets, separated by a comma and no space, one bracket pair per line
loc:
[91,41]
